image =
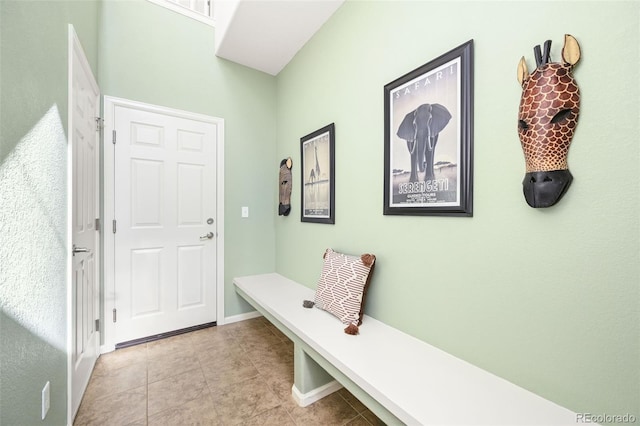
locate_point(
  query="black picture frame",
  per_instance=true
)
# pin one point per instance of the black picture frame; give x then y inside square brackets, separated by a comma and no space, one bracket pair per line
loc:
[317,153]
[432,101]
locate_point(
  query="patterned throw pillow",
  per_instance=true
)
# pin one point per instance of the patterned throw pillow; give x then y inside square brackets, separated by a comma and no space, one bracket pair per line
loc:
[343,285]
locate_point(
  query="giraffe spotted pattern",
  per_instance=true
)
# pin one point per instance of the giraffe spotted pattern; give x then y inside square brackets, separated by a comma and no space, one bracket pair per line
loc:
[548,116]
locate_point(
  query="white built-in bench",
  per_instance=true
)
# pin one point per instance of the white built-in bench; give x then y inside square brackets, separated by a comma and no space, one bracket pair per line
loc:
[398,377]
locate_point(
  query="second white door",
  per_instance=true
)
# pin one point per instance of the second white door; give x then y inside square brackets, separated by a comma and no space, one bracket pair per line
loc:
[165,222]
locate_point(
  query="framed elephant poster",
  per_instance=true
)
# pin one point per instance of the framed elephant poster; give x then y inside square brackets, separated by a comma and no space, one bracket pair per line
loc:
[428,136]
[317,151]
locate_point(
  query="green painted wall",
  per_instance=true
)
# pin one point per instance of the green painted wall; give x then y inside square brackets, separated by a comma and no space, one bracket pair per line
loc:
[153,55]
[548,299]
[33,202]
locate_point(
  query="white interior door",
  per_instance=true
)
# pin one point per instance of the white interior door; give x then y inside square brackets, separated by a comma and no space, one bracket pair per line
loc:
[84,101]
[165,229]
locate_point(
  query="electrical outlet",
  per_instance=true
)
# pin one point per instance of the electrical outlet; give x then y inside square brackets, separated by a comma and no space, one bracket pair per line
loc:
[46,399]
[245,212]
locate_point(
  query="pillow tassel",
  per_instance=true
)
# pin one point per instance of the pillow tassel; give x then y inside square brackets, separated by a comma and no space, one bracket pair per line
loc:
[367,259]
[351,329]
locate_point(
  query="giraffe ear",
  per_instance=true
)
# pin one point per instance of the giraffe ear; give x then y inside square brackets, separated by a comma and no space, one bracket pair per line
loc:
[571,50]
[523,72]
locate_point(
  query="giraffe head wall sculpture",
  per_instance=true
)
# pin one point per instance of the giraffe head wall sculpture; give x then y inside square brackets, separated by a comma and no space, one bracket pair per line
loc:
[547,119]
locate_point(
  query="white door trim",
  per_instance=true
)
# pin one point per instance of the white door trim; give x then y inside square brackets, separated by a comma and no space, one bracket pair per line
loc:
[110,103]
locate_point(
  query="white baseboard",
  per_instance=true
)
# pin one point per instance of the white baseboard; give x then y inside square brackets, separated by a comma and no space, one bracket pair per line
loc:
[241,317]
[105,349]
[304,399]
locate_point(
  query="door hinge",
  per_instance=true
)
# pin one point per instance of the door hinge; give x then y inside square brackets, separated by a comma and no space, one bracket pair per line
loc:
[97,223]
[114,226]
[99,124]
[97,325]
[113,140]
[114,315]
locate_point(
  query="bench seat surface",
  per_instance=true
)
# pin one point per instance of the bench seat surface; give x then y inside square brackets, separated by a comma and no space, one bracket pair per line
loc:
[417,382]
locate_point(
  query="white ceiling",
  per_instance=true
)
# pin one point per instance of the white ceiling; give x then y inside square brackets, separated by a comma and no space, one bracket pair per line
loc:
[266,34]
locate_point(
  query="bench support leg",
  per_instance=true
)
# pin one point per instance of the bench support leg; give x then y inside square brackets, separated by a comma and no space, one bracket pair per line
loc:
[310,381]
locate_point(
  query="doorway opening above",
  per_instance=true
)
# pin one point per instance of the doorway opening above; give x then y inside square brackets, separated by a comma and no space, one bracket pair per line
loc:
[266,35]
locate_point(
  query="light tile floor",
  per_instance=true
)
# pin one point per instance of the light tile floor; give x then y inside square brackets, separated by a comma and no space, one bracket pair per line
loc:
[236,374]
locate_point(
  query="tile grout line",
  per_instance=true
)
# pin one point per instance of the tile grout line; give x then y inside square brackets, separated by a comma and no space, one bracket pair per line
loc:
[146,366]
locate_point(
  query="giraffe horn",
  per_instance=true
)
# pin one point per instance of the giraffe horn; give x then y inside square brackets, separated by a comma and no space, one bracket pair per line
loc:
[523,72]
[546,58]
[537,53]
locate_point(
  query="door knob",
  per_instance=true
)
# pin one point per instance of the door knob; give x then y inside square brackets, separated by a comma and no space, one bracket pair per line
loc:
[77,249]
[207,237]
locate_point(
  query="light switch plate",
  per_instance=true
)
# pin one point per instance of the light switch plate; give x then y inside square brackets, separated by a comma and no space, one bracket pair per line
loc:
[245,211]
